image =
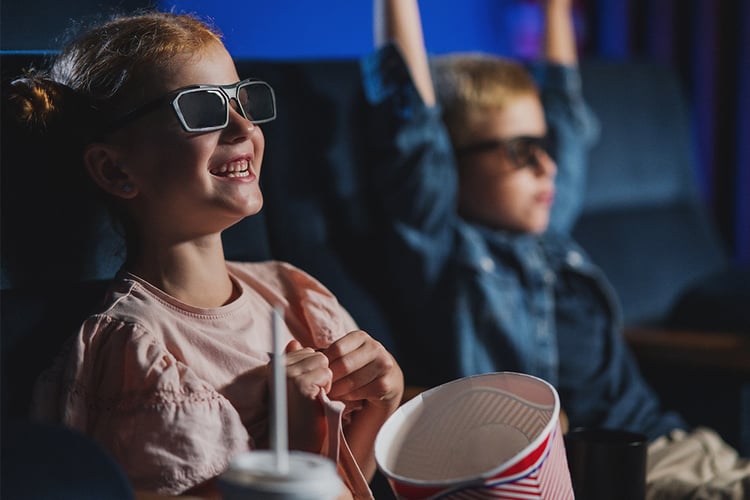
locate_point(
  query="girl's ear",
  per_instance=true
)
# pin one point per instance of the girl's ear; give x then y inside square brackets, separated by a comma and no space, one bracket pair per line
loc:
[103,165]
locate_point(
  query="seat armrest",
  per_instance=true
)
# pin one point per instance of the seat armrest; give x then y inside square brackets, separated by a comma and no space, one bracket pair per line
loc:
[702,374]
[720,351]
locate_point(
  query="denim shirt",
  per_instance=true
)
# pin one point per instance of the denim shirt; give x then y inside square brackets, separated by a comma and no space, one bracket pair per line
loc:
[474,300]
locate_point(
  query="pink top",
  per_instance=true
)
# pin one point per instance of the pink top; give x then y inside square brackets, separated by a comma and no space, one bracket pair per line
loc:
[173,391]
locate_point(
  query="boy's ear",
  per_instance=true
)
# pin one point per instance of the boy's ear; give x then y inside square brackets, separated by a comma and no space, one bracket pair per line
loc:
[103,165]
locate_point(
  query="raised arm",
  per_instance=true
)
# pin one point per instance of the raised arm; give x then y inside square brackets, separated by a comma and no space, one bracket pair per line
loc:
[570,121]
[399,21]
[410,159]
[559,33]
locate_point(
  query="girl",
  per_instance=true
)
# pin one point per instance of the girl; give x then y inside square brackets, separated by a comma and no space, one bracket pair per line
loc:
[171,374]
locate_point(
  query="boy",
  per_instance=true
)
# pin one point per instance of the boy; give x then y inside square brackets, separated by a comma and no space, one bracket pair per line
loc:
[478,203]
[476,220]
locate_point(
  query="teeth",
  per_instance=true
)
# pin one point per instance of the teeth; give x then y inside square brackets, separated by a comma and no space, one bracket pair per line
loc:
[244,173]
[239,168]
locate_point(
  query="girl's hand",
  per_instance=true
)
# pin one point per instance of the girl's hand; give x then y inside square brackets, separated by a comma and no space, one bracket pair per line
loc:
[307,372]
[364,370]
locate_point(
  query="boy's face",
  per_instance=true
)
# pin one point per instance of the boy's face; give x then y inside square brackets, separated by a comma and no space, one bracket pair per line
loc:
[509,185]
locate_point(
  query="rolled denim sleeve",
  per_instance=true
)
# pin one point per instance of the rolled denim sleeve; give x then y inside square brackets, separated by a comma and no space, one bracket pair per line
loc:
[574,129]
[412,170]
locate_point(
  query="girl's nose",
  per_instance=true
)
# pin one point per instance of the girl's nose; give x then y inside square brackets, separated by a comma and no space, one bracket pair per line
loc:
[238,127]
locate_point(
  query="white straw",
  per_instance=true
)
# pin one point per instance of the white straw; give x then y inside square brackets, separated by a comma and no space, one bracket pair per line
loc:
[279,442]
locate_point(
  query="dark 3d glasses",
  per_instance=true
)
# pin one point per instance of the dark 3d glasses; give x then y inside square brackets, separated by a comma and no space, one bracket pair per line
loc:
[521,150]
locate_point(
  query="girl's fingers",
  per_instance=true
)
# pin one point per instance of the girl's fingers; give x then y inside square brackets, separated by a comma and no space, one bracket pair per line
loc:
[293,345]
[307,372]
[354,352]
[363,369]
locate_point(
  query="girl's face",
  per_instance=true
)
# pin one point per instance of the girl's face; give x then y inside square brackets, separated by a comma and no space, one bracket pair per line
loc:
[497,190]
[187,185]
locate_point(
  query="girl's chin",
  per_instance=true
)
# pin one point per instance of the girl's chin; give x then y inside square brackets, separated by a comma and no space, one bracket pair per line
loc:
[253,205]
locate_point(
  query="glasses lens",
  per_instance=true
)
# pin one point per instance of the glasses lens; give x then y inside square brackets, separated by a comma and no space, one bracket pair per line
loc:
[257,100]
[203,109]
[524,150]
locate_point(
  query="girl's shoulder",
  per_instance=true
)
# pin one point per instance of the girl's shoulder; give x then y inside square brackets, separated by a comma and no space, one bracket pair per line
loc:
[278,274]
[313,313]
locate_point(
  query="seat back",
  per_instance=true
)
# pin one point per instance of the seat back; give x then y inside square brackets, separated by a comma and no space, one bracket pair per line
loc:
[315,184]
[47,461]
[644,221]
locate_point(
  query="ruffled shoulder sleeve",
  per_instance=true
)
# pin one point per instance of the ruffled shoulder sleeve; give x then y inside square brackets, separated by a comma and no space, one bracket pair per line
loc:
[167,428]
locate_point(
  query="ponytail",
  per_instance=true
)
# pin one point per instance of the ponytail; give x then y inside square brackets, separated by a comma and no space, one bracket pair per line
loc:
[52,215]
[46,109]
[46,125]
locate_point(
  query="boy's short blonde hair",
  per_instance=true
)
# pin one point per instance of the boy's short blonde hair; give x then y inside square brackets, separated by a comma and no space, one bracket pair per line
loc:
[470,84]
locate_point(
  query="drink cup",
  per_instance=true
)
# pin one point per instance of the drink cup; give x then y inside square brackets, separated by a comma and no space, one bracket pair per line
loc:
[495,435]
[255,475]
[607,463]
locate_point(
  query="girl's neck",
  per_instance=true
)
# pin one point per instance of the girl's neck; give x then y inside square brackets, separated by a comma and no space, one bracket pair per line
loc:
[193,274]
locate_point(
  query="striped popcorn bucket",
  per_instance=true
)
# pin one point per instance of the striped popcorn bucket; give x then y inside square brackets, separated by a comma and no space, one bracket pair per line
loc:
[491,436]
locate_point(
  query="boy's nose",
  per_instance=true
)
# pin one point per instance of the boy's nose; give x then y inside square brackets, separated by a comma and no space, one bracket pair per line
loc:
[545,165]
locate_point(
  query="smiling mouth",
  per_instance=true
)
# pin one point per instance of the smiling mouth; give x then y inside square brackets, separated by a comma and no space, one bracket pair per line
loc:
[239,168]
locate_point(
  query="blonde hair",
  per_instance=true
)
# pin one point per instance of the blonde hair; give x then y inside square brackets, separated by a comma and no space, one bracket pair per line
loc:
[470,84]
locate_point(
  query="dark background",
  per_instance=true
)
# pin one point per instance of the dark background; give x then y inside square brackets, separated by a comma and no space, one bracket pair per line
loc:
[705,41]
